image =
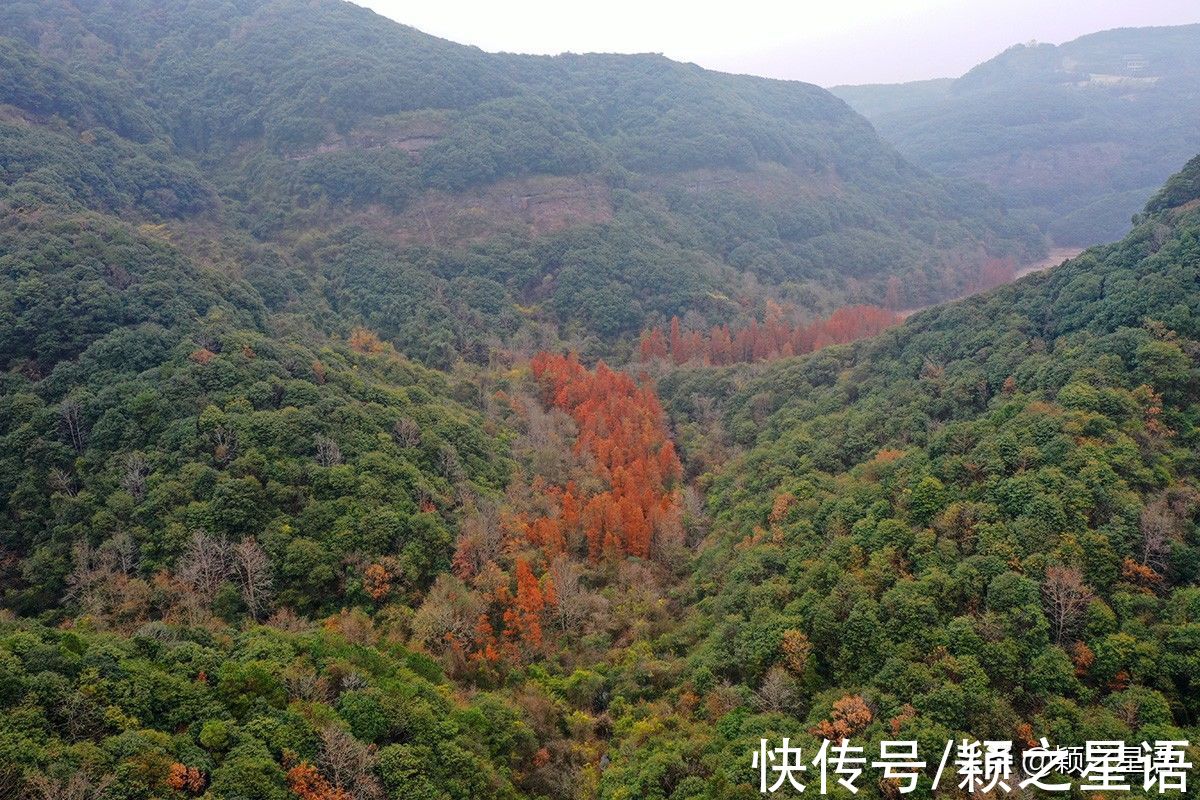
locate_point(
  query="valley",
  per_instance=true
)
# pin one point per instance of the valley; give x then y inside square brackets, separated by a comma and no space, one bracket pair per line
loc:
[386,419]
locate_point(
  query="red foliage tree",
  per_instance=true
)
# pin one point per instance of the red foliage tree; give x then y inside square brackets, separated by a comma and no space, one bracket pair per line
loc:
[622,426]
[185,779]
[773,338]
[308,784]
[377,583]
[522,620]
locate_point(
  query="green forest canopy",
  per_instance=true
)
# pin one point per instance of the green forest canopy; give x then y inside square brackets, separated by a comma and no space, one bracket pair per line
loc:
[231,517]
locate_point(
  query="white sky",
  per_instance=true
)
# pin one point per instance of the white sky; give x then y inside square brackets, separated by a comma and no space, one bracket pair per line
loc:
[826,42]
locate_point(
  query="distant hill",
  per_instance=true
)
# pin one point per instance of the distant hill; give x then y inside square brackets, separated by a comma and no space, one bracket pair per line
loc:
[290,509]
[597,193]
[1078,135]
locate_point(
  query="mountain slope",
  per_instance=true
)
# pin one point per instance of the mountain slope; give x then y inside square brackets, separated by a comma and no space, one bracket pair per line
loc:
[252,550]
[1078,135]
[981,523]
[607,191]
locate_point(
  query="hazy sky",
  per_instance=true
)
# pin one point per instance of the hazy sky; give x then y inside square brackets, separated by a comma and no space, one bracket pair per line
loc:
[827,42]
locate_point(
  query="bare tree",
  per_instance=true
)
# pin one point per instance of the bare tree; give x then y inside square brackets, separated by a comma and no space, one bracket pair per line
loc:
[82,717]
[253,570]
[349,764]
[714,447]
[693,510]
[449,464]
[133,476]
[353,681]
[80,786]
[546,441]
[328,453]
[224,444]
[286,619]
[304,683]
[1158,527]
[1164,521]
[573,604]
[482,532]
[669,545]
[99,581]
[448,614]
[121,550]
[1067,598]
[62,481]
[205,565]
[207,341]
[12,778]
[777,691]
[70,414]
[89,575]
[406,433]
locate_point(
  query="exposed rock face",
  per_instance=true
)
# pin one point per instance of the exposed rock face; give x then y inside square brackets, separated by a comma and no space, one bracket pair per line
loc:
[536,205]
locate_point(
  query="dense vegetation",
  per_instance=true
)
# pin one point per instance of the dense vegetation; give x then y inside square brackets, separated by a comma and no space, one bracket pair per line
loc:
[289,507]
[602,193]
[774,338]
[983,522]
[1077,135]
[174,711]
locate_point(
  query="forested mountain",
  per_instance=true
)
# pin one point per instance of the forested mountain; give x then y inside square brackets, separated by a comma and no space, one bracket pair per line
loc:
[343,163]
[981,522]
[1078,135]
[381,418]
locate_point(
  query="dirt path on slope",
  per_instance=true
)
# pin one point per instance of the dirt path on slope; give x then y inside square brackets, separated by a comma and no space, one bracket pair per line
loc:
[1056,256]
[1053,258]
